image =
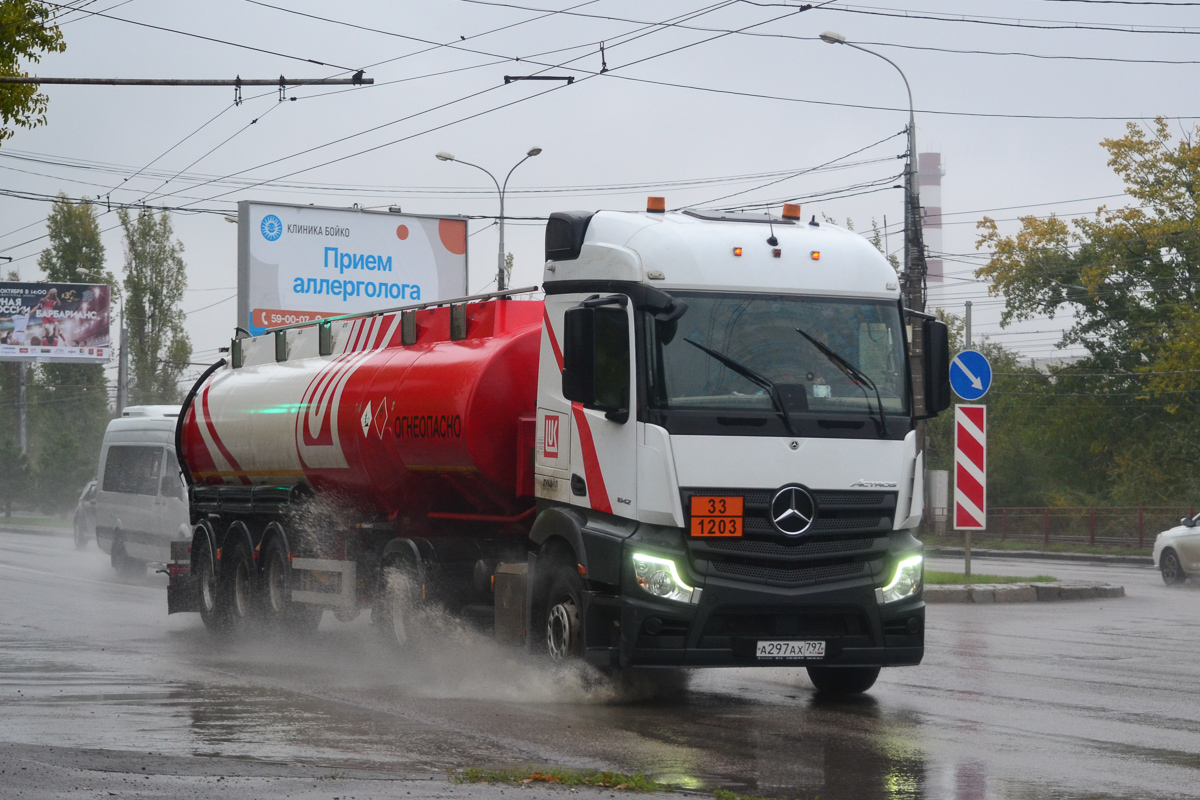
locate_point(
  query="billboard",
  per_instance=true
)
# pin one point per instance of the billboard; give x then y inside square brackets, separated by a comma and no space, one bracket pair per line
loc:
[54,322]
[302,263]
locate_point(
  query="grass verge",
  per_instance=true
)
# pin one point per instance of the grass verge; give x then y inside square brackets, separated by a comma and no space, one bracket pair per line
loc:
[36,522]
[936,578]
[637,782]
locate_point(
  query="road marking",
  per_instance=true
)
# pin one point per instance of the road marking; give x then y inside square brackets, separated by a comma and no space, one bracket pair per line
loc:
[77,580]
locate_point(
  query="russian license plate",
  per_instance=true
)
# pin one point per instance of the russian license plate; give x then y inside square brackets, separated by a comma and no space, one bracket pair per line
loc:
[790,649]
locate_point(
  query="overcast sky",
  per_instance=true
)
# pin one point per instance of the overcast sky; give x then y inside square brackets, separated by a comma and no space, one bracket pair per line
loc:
[1015,94]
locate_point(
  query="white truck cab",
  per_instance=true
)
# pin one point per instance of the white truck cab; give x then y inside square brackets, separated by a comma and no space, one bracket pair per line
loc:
[726,408]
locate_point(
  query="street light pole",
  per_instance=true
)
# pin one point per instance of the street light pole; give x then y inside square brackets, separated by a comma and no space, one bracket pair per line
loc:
[501,256]
[123,354]
[914,251]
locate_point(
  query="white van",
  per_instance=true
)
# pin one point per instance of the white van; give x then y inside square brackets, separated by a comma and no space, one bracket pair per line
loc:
[141,499]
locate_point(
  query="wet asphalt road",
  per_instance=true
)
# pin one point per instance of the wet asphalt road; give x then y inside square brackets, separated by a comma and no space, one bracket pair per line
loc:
[101,693]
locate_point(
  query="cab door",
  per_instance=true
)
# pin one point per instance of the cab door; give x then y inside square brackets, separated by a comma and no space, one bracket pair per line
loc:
[598,380]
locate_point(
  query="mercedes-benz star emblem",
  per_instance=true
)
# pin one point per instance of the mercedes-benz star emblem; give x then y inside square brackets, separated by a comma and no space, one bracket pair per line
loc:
[793,510]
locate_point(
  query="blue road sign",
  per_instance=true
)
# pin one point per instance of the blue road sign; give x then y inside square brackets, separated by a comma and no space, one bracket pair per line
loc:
[970,375]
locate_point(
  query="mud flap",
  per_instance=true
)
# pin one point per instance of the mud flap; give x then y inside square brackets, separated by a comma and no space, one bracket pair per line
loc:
[182,593]
[511,603]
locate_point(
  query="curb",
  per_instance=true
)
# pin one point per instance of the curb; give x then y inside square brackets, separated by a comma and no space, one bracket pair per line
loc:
[1092,558]
[984,593]
[35,530]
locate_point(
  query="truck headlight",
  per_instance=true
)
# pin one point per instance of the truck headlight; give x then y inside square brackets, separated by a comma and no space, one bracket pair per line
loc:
[905,583]
[660,577]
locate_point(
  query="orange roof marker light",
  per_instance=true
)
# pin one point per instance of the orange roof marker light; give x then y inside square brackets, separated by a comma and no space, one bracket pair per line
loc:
[656,205]
[791,211]
[737,251]
[816,255]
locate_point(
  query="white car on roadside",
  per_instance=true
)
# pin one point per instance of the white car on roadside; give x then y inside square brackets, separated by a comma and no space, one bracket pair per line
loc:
[1177,551]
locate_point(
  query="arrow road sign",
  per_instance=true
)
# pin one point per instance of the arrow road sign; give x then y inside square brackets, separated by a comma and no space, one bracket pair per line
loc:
[970,375]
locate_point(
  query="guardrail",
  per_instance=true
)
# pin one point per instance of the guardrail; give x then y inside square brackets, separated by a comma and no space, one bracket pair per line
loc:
[1115,526]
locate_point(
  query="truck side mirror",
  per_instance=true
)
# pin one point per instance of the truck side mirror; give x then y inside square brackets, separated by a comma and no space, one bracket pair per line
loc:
[936,356]
[596,357]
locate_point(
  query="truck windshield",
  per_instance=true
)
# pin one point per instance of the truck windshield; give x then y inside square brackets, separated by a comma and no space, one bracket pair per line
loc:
[762,335]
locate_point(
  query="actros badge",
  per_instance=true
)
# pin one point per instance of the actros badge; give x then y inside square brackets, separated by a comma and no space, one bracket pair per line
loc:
[793,510]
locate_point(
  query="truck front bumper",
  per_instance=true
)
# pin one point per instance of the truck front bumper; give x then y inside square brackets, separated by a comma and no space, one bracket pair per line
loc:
[725,627]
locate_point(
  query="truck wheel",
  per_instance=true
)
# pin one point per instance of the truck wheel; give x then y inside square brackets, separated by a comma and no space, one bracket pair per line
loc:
[564,619]
[1172,570]
[235,585]
[843,680]
[395,601]
[211,611]
[277,606]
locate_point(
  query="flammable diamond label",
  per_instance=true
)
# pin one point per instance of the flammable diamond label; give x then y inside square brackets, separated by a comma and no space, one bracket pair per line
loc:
[365,420]
[381,419]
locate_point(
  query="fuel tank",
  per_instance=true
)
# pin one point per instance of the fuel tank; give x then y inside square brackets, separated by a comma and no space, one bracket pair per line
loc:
[440,425]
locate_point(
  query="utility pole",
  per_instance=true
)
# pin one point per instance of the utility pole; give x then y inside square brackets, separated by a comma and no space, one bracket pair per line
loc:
[23,411]
[123,365]
[967,331]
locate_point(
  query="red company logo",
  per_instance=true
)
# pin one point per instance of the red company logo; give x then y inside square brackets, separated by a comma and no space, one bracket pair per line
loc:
[550,443]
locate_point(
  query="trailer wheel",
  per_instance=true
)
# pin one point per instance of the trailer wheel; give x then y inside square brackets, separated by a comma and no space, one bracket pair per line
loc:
[395,603]
[235,585]
[211,611]
[278,608]
[564,615]
[843,680]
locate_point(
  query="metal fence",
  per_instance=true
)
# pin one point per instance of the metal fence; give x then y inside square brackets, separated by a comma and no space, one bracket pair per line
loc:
[1119,526]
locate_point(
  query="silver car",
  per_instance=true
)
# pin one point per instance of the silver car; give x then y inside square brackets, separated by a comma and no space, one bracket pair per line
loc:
[1177,551]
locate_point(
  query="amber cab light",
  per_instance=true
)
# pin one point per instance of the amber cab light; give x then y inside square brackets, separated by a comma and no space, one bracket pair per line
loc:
[815,255]
[737,251]
[656,205]
[777,252]
[791,211]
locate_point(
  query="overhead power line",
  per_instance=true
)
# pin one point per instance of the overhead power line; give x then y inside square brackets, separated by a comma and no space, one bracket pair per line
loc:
[200,36]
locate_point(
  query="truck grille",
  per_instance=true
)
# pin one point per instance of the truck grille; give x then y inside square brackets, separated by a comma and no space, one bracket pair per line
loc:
[848,538]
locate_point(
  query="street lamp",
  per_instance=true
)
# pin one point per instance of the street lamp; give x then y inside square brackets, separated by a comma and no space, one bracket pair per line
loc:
[500,189]
[123,355]
[914,260]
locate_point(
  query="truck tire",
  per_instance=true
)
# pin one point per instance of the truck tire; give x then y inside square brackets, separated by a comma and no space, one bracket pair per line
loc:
[212,611]
[843,680]
[1172,569]
[564,615]
[396,602]
[278,610]
[235,586]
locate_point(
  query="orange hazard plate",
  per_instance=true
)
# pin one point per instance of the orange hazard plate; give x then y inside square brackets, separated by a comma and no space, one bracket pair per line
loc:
[716,516]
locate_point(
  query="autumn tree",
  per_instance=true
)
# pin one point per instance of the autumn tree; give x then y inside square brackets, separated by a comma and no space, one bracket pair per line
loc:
[1126,279]
[27,31]
[155,280]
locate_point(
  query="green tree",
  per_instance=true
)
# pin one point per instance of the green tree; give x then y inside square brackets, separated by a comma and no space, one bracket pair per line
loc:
[155,280]
[1122,424]
[14,474]
[27,31]
[68,402]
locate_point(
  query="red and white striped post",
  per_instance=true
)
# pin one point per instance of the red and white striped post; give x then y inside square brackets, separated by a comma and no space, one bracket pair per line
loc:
[970,472]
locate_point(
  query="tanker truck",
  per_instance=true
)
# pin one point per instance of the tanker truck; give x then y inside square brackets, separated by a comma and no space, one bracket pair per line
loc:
[699,450]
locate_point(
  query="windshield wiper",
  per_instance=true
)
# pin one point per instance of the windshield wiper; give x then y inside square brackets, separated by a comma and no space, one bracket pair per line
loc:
[753,377]
[854,374]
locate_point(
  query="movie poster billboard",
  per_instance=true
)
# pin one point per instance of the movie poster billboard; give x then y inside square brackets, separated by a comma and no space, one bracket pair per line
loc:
[67,322]
[302,263]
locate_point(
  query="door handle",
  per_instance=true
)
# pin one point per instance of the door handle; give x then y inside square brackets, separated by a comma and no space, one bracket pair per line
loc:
[578,486]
